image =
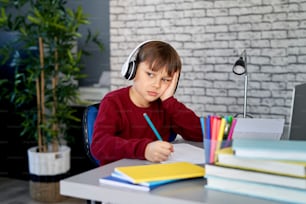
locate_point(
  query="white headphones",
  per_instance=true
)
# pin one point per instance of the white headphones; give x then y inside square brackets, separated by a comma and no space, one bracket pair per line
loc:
[128,70]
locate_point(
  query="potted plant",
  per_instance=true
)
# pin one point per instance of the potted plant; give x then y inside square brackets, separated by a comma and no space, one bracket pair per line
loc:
[46,85]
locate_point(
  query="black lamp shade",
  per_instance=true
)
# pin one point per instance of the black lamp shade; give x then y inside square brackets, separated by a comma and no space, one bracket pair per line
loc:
[239,67]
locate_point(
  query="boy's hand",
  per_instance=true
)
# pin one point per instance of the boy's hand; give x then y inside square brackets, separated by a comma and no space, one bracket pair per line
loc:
[171,89]
[158,151]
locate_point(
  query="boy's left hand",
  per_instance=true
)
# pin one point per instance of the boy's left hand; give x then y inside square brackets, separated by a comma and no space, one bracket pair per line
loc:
[171,89]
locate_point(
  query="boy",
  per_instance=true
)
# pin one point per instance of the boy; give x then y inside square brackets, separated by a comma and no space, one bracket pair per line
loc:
[121,131]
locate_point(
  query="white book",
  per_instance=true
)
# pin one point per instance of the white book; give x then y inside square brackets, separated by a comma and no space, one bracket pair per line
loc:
[293,150]
[253,176]
[259,190]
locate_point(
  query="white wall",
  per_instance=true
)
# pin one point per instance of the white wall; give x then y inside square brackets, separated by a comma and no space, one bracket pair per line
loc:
[209,36]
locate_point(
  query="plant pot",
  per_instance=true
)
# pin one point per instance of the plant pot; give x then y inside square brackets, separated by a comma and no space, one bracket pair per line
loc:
[46,169]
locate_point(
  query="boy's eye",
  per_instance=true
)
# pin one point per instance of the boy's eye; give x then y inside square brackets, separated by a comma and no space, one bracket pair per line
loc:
[150,74]
[166,80]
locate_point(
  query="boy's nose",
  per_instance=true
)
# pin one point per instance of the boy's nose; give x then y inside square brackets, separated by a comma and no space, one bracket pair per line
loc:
[156,83]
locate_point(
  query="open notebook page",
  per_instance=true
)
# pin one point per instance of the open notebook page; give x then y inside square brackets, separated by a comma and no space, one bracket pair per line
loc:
[188,153]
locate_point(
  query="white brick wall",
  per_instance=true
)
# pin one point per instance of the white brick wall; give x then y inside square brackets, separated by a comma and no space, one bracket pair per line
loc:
[209,36]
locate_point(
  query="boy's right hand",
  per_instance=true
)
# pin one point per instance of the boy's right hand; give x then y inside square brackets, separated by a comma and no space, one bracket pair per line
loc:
[158,151]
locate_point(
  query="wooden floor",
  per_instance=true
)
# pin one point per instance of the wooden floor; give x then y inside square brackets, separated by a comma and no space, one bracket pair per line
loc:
[14,191]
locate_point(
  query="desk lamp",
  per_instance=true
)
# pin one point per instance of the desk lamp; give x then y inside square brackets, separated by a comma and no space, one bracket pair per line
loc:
[240,68]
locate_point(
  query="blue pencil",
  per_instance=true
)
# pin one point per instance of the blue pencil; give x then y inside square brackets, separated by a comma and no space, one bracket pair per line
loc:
[152,126]
[208,125]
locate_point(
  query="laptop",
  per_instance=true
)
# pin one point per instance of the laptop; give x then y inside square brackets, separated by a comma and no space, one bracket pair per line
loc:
[297,126]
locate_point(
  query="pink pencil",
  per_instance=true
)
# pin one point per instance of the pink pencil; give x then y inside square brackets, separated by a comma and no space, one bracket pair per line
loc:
[214,140]
[230,134]
[213,130]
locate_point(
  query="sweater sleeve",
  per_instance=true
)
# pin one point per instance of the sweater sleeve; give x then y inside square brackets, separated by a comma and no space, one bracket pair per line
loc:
[185,122]
[109,144]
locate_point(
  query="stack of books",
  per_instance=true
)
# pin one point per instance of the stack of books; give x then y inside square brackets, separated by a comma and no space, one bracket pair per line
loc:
[269,169]
[151,176]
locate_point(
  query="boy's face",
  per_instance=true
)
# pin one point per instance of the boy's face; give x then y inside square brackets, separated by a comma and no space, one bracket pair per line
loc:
[149,85]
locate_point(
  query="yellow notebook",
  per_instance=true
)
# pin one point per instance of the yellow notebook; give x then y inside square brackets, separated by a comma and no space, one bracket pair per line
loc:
[158,172]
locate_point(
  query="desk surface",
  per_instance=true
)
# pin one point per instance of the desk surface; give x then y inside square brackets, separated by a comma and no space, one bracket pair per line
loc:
[86,186]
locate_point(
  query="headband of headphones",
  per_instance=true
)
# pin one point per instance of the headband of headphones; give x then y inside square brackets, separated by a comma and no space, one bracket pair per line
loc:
[128,70]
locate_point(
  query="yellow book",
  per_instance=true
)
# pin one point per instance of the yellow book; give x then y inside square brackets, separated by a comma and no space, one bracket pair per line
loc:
[226,157]
[160,171]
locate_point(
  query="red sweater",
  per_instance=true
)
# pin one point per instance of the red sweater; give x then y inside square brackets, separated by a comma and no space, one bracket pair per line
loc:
[121,131]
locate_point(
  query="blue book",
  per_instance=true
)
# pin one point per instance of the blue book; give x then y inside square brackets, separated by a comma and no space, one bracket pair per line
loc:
[294,150]
[115,180]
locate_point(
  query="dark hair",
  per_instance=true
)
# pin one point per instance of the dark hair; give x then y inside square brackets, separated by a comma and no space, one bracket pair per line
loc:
[158,55]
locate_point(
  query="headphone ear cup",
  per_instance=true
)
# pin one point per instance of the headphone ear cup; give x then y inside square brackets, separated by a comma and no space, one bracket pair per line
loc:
[131,71]
[128,70]
[177,81]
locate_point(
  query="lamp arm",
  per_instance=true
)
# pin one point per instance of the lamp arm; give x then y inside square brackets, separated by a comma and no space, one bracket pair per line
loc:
[245,95]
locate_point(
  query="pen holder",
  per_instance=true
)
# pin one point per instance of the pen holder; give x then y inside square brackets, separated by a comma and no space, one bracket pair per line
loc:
[212,146]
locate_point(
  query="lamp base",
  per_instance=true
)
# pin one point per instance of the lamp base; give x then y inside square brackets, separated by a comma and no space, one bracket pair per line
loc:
[240,115]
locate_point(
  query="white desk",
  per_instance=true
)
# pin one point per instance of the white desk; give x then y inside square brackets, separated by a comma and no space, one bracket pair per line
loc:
[86,186]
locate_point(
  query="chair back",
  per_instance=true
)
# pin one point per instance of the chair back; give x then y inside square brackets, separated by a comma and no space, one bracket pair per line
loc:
[88,121]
